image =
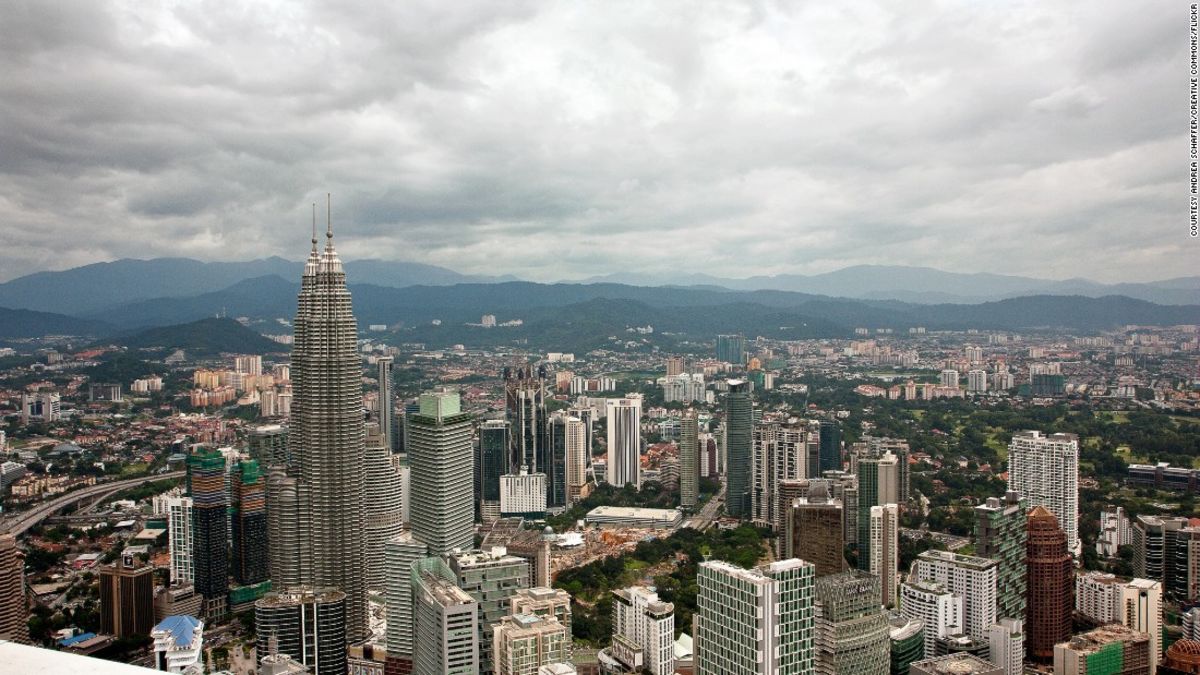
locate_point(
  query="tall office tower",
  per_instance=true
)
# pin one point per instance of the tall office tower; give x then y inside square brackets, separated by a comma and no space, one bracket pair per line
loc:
[878,484]
[1000,535]
[731,349]
[643,630]
[851,627]
[384,504]
[564,437]
[288,548]
[815,531]
[689,460]
[739,440]
[675,366]
[1108,649]
[387,401]
[1006,645]
[954,664]
[251,563]
[523,643]
[878,446]
[885,550]
[907,638]
[755,622]
[179,539]
[542,601]
[830,433]
[326,433]
[491,578]
[1045,471]
[938,609]
[307,624]
[625,440]
[1051,586]
[442,465]
[525,409]
[126,598]
[410,408]
[210,528]
[763,488]
[1183,585]
[446,622]
[844,486]
[494,445]
[268,445]
[1155,542]
[14,611]
[578,454]
[968,576]
[402,552]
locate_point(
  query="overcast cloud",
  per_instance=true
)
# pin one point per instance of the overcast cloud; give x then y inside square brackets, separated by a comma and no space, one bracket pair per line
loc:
[559,140]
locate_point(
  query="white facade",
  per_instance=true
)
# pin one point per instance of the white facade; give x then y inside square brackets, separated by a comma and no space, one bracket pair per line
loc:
[949,378]
[885,550]
[625,440]
[578,453]
[1045,471]
[1137,604]
[977,381]
[971,578]
[1006,644]
[1115,532]
[178,643]
[934,605]
[179,539]
[642,620]
[684,387]
[522,493]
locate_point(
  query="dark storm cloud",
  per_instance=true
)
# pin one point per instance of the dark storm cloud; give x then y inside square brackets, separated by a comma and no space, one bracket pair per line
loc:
[553,140]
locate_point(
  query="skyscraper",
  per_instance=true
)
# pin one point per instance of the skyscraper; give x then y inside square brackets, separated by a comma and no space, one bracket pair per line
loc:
[385,505]
[970,577]
[885,550]
[754,622]
[1051,586]
[494,448]
[1044,470]
[644,624]
[387,401]
[179,539]
[251,564]
[1155,543]
[326,435]
[14,611]
[210,528]
[578,456]
[491,578]
[878,484]
[306,624]
[830,434]
[560,432]
[1000,532]
[814,531]
[525,408]
[852,631]
[402,552]
[268,445]
[442,466]
[287,517]
[445,622]
[689,461]
[739,431]
[127,598]
[625,440]
[731,349]
[935,606]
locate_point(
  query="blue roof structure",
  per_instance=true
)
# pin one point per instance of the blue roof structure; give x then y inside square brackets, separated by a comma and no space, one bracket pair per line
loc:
[183,628]
[67,642]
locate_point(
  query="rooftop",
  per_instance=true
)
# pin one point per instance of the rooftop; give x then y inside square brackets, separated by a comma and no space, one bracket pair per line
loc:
[960,663]
[184,629]
[1094,640]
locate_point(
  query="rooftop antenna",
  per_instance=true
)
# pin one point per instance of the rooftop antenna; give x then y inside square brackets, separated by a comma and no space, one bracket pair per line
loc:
[314,238]
[328,216]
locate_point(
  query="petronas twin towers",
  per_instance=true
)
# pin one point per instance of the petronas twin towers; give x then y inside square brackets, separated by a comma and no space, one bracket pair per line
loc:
[327,437]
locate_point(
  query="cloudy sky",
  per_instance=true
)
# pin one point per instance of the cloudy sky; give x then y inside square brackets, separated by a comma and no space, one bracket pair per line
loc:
[557,140]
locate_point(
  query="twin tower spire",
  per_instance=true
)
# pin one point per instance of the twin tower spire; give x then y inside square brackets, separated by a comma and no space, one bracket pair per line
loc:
[329,261]
[328,224]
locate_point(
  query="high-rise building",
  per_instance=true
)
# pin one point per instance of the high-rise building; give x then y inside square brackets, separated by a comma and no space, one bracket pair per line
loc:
[949,378]
[14,611]
[288,549]
[387,402]
[1104,599]
[977,381]
[643,631]
[326,434]
[307,624]
[210,528]
[440,435]
[446,622]
[1108,649]
[689,460]
[754,622]
[523,643]
[542,601]
[1183,584]
[885,550]
[815,531]
[268,445]
[251,563]
[384,501]
[1006,645]
[731,349]
[402,552]
[852,629]
[578,456]
[878,484]
[954,664]
[179,539]
[491,578]
[178,641]
[970,577]
[494,446]
[907,638]
[625,440]
[1000,531]
[1050,586]
[564,437]
[739,440]
[525,409]
[1155,543]
[830,443]
[675,366]
[126,598]
[938,609]
[523,495]
[1044,470]
[1115,531]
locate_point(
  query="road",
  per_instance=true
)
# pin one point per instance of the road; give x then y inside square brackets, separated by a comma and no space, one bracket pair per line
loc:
[19,523]
[708,513]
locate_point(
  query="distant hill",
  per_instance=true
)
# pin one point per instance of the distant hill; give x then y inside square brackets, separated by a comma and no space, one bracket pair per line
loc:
[94,288]
[206,337]
[926,285]
[23,323]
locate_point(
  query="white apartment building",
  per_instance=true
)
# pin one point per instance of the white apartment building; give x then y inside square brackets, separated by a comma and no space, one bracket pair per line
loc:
[1045,471]
[643,630]
[971,578]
